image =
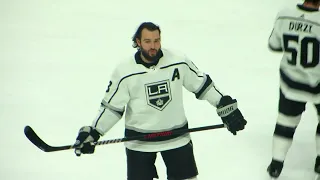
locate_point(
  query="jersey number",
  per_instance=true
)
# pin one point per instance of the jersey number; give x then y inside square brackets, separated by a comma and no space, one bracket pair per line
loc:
[108,89]
[306,43]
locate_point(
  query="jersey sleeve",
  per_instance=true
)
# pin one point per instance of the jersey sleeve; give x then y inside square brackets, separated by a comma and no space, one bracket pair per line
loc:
[274,42]
[200,84]
[113,104]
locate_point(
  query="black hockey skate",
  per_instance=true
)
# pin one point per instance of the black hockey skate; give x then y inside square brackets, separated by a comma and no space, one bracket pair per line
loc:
[275,168]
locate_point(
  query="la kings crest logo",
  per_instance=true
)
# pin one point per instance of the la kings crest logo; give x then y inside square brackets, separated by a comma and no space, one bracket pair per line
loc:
[158,94]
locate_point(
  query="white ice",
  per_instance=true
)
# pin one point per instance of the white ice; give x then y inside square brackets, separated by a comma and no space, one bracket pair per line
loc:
[57,55]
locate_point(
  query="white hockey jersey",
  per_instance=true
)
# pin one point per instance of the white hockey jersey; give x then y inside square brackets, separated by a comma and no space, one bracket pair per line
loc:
[150,95]
[296,32]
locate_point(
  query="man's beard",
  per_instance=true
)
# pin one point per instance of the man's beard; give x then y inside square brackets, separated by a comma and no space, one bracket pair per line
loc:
[154,58]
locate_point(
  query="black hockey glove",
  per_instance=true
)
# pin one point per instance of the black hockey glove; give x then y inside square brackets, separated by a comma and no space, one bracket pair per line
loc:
[231,116]
[85,141]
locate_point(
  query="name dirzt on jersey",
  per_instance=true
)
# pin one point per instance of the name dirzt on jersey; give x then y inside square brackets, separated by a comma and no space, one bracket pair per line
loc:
[225,111]
[299,26]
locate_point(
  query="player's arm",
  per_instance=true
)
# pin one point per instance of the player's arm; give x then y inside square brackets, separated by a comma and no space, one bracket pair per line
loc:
[200,84]
[113,104]
[110,112]
[204,89]
[274,42]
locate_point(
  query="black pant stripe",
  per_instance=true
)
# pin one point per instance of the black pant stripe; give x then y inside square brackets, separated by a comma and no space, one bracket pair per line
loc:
[284,131]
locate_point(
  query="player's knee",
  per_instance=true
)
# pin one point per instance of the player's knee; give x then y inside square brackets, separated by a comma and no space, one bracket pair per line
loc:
[284,131]
[288,121]
[286,125]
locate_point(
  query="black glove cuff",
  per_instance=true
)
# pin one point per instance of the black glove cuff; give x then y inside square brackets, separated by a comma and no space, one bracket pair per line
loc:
[95,134]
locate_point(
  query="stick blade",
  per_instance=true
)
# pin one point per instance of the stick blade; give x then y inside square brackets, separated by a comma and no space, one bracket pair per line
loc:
[34,138]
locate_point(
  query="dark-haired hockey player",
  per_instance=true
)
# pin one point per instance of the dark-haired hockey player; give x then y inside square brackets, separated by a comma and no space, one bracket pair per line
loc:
[296,32]
[148,88]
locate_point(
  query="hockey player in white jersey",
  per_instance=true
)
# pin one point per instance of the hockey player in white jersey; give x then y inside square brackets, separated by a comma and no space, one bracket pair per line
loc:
[148,89]
[296,33]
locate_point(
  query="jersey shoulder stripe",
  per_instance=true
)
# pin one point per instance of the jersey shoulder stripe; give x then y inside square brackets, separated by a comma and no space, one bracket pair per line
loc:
[298,19]
[181,63]
[123,78]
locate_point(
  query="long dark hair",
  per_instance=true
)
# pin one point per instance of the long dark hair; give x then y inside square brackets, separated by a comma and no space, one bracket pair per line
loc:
[313,1]
[146,25]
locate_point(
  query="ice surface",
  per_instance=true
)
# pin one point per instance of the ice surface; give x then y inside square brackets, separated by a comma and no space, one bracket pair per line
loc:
[56,58]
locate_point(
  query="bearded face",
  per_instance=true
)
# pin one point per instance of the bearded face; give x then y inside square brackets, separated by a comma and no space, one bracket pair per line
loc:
[150,44]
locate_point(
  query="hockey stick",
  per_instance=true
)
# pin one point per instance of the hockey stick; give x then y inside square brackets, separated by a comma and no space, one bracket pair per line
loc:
[35,139]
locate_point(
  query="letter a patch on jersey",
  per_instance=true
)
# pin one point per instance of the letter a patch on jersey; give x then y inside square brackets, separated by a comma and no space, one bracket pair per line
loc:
[175,74]
[158,94]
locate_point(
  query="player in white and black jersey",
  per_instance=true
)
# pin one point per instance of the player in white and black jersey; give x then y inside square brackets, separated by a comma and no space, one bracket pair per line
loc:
[296,33]
[147,89]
